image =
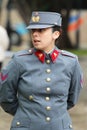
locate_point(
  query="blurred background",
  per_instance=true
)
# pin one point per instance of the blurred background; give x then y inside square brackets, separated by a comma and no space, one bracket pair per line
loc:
[15,16]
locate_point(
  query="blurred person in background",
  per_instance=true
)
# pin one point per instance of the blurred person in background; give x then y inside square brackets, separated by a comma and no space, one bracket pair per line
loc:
[4,44]
[41,84]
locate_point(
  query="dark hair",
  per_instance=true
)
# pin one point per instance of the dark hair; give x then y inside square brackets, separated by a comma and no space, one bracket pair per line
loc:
[57,28]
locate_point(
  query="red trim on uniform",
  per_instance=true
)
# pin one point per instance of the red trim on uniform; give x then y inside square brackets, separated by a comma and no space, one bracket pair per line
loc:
[3,77]
[40,55]
[54,55]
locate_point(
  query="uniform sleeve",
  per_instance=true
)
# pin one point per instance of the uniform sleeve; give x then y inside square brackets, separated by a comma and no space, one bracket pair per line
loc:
[8,87]
[75,86]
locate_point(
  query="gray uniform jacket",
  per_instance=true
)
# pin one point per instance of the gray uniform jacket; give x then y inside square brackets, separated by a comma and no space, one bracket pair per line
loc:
[40,94]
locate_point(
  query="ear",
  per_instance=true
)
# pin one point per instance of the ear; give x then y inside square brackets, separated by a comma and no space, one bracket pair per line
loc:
[56,34]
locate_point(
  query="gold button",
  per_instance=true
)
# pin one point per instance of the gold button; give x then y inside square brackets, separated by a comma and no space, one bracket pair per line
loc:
[48,89]
[48,108]
[48,70]
[48,61]
[47,98]
[70,126]
[48,79]
[18,123]
[48,119]
[31,97]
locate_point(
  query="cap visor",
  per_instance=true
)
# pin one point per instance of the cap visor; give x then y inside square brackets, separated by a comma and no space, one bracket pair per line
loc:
[39,26]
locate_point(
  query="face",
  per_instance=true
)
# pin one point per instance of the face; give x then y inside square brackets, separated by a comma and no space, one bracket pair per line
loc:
[44,39]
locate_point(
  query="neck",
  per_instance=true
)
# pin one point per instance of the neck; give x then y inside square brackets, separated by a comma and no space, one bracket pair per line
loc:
[49,51]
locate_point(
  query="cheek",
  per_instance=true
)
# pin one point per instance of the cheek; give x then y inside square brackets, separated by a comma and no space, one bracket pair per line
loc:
[46,41]
[47,38]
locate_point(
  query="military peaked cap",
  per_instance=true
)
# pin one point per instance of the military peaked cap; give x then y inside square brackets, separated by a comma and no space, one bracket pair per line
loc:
[44,20]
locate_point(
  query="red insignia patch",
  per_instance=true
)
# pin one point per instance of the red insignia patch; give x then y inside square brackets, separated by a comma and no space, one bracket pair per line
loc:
[54,55]
[40,56]
[3,76]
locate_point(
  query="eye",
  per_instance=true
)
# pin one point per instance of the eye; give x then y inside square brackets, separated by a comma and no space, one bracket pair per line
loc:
[38,30]
[32,31]
[41,30]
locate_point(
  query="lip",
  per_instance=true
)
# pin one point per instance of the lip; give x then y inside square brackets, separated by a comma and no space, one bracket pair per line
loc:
[35,41]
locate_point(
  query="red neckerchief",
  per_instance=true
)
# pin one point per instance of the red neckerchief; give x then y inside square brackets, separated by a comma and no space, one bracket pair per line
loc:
[41,55]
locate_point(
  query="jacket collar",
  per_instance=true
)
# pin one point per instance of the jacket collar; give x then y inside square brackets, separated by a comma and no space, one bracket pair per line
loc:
[42,55]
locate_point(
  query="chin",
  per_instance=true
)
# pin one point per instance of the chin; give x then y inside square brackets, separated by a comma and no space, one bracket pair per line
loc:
[39,48]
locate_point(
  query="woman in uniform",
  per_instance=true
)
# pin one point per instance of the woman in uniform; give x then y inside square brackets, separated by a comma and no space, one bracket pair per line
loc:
[41,84]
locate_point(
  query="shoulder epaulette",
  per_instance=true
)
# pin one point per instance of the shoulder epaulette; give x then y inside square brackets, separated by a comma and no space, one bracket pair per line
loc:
[31,51]
[24,52]
[69,54]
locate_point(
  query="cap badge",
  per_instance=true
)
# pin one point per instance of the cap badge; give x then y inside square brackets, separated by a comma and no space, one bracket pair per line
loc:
[35,18]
